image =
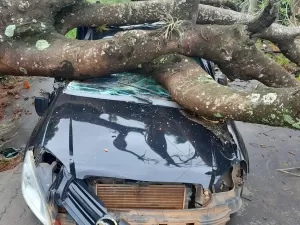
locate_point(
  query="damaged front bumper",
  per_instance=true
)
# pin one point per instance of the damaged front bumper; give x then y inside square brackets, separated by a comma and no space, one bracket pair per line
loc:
[212,215]
[84,208]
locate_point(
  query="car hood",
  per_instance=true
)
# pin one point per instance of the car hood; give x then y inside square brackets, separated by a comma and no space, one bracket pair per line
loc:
[128,140]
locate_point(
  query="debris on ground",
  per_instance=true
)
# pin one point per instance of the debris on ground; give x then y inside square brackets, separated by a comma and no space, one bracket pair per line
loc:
[295,138]
[248,199]
[26,85]
[27,112]
[295,171]
[10,88]
[10,158]
[286,164]
[17,112]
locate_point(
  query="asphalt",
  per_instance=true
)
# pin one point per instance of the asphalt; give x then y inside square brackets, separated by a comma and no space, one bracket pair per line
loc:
[22,127]
[270,197]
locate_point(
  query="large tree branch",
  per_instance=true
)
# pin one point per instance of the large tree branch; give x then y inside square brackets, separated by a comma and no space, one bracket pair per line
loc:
[152,11]
[265,19]
[81,59]
[220,3]
[191,87]
[280,35]
[125,14]
[30,46]
[113,14]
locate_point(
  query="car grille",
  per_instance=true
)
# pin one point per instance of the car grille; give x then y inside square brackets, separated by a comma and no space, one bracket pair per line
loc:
[118,196]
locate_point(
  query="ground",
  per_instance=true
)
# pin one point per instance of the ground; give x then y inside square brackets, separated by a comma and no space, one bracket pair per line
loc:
[271,197]
[19,117]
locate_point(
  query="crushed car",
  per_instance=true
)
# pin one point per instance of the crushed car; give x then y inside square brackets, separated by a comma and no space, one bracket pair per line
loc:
[118,150]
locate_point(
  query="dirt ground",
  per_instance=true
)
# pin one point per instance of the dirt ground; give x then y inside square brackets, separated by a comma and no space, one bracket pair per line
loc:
[10,88]
[10,111]
[16,107]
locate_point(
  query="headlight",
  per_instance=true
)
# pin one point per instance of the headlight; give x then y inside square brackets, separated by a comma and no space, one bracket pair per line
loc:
[32,192]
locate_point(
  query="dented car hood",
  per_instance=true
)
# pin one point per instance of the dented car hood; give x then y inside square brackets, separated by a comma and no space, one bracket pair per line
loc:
[134,141]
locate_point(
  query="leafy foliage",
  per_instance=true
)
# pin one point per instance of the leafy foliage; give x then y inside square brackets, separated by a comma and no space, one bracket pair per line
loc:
[72,33]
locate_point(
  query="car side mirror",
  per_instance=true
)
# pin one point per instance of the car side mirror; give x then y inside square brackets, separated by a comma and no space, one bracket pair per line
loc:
[42,103]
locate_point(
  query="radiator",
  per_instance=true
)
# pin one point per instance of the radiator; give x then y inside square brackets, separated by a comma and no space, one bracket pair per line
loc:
[118,196]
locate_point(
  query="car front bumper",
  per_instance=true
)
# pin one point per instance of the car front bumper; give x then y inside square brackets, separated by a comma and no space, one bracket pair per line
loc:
[84,208]
[217,213]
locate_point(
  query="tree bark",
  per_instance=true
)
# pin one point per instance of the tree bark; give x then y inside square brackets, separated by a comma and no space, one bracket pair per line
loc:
[220,3]
[152,11]
[30,45]
[252,6]
[192,88]
[280,35]
[113,14]
[295,11]
[82,59]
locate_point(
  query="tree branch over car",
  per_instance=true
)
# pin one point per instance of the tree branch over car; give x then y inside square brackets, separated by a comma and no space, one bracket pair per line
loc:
[32,43]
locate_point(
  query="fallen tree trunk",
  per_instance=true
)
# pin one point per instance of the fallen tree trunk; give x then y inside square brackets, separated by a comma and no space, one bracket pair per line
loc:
[73,59]
[124,14]
[194,89]
[32,44]
[153,11]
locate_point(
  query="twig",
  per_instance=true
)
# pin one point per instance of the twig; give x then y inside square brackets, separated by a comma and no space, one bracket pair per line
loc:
[287,172]
[269,130]
[246,198]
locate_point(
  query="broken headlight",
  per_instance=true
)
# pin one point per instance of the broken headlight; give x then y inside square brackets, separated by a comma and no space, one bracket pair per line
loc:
[32,192]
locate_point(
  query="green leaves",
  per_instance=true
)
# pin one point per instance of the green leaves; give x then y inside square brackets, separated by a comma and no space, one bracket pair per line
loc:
[72,33]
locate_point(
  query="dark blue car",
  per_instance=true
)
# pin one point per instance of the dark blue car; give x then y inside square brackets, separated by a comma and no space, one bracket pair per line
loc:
[118,150]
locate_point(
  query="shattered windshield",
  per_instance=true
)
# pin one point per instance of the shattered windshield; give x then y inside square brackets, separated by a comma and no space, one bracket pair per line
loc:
[121,84]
